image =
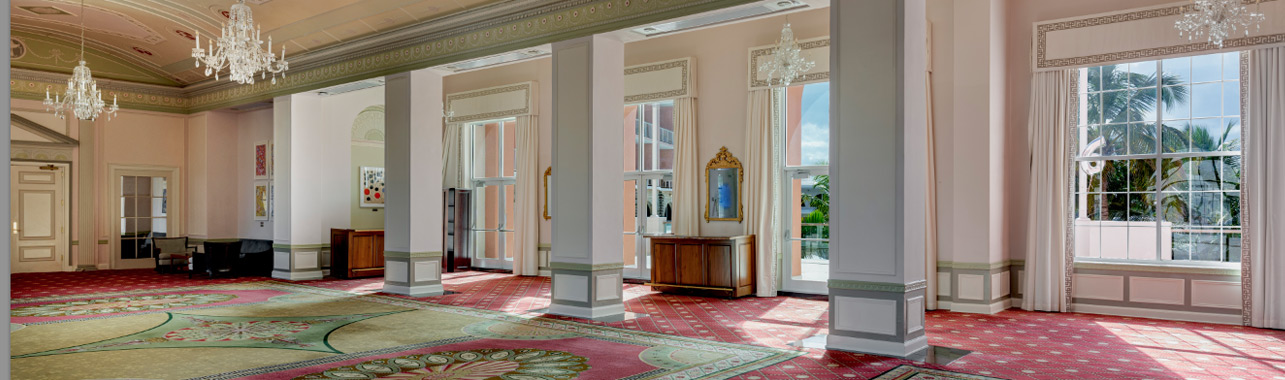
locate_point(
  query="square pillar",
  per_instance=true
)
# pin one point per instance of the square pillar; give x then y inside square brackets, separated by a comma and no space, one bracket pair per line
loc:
[413,184]
[878,170]
[588,98]
[298,235]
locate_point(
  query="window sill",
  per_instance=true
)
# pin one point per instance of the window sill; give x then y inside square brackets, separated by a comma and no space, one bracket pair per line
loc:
[1219,269]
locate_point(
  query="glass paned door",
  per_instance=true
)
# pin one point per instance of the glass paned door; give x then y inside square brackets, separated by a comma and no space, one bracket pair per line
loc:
[648,201]
[805,181]
[494,182]
[807,266]
[144,214]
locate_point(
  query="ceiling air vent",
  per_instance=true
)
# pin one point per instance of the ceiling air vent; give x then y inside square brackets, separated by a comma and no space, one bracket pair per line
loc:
[495,60]
[350,87]
[725,15]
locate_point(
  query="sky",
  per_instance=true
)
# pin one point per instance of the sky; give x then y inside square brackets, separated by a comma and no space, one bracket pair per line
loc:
[816,123]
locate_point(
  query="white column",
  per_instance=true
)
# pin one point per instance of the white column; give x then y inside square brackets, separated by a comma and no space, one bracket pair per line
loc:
[877,176]
[978,272]
[413,183]
[87,245]
[298,233]
[588,98]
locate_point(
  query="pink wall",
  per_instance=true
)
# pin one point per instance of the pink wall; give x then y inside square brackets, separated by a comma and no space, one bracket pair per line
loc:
[1022,14]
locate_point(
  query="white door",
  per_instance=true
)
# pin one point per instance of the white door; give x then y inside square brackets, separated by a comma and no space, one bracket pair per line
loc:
[38,207]
[144,200]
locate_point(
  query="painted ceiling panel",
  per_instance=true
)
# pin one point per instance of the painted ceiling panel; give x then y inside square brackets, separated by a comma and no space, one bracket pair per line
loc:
[37,51]
[157,36]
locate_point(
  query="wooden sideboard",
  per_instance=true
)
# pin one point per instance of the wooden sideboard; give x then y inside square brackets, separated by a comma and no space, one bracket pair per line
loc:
[718,265]
[356,253]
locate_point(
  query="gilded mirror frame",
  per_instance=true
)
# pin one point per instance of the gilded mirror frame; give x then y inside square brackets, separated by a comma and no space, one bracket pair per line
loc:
[547,172]
[725,160]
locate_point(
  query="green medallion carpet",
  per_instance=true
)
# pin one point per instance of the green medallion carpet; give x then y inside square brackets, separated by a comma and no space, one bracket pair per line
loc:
[273,330]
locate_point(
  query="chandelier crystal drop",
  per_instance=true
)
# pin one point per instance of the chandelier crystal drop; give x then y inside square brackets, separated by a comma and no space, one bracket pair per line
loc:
[786,62]
[1217,19]
[239,50]
[82,97]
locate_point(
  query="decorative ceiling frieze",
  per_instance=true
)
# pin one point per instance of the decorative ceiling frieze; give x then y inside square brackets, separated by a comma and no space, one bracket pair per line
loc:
[493,29]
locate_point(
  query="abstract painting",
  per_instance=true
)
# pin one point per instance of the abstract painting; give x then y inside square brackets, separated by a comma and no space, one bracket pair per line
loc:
[263,160]
[371,192]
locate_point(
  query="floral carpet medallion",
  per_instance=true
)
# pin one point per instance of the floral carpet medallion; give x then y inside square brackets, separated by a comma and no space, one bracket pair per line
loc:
[519,364]
[112,305]
[274,330]
[189,330]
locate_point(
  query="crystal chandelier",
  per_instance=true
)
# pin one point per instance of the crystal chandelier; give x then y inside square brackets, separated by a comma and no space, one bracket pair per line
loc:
[1218,19]
[238,50]
[787,61]
[82,97]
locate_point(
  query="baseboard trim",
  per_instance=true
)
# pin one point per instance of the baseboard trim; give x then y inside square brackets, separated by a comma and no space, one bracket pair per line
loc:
[877,347]
[415,291]
[1171,315]
[587,312]
[297,276]
[976,308]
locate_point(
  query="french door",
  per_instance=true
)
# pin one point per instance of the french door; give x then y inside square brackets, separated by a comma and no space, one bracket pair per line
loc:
[806,267]
[146,209]
[648,199]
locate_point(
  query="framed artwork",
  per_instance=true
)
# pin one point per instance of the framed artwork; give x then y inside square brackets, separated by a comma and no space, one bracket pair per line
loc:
[263,160]
[262,200]
[371,192]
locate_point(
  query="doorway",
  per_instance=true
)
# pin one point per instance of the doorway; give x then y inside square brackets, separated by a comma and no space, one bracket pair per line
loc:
[38,205]
[146,208]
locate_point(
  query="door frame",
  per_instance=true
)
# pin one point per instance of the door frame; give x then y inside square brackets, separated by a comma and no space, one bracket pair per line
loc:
[174,212]
[64,216]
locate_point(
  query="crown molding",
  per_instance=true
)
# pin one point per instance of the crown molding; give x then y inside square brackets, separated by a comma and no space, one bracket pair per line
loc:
[493,29]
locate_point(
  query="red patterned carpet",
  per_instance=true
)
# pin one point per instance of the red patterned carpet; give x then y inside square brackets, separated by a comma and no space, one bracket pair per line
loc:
[1012,344]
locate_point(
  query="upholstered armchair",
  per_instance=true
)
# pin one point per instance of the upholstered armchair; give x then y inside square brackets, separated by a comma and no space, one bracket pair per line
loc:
[170,252]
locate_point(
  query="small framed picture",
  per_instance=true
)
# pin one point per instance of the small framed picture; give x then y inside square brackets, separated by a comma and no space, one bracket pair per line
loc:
[371,192]
[262,200]
[263,160]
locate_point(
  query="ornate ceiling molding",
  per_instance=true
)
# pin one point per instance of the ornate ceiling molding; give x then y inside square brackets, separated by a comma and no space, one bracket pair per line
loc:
[498,28]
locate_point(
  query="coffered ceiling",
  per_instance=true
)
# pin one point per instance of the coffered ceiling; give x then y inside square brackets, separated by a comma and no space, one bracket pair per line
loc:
[150,41]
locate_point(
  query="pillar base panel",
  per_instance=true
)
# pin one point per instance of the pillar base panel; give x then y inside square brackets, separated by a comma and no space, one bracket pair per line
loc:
[415,291]
[899,349]
[595,312]
[297,276]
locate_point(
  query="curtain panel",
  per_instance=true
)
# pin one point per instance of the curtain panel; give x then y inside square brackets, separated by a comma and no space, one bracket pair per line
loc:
[761,187]
[526,205]
[1048,262]
[1262,207]
[687,172]
[453,156]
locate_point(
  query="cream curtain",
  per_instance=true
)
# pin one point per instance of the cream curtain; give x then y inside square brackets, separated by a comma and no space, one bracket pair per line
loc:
[761,187]
[930,231]
[1262,207]
[1046,287]
[526,205]
[687,170]
[452,156]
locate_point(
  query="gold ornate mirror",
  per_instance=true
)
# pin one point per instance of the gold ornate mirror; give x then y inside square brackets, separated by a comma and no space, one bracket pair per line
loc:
[547,172]
[723,179]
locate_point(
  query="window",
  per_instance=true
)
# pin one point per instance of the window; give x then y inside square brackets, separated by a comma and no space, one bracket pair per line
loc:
[494,179]
[1158,164]
[648,189]
[143,215]
[805,118]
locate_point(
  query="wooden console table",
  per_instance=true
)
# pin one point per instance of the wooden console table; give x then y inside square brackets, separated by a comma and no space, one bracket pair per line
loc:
[356,253]
[718,265]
